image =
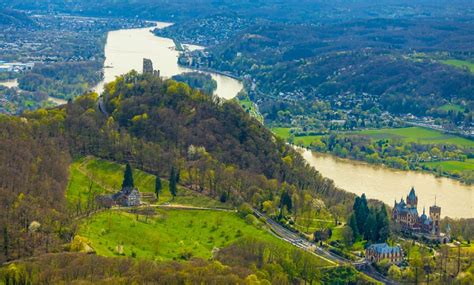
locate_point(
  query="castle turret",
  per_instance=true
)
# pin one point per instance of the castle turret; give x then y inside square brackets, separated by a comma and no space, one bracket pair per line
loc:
[412,199]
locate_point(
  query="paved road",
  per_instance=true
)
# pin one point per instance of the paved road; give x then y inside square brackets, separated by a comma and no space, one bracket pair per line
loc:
[332,258]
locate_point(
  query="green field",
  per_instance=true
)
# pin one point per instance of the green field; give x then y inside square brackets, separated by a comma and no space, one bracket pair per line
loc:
[451,107]
[460,63]
[107,176]
[250,108]
[451,166]
[410,134]
[284,133]
[417,134]
[170,234]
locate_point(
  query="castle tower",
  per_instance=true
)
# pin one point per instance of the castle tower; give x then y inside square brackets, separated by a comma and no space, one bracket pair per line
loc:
[435,215]
[412,199]
[147,66]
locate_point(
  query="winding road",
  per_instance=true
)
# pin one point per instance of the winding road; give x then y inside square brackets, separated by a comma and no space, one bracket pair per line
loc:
[336,260]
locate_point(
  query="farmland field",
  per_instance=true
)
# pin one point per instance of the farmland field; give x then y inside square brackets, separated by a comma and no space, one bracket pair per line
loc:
[417,134]
[410,134]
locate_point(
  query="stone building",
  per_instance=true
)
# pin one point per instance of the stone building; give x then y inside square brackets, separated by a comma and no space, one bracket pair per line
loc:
[405,214]
[380,251]
[127,197]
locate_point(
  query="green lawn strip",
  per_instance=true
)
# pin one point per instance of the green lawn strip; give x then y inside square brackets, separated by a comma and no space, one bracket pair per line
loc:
[467,165]
[451,107]
[460,63]
[410,134]
[283,133]
[417,134]
[169,234]
[250,108]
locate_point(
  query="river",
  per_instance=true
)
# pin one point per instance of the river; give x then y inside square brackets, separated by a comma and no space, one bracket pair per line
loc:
[13,83]
[125,50]
[455,199]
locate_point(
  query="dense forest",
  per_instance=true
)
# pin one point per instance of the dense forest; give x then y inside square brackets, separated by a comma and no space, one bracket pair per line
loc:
[197,80]
[60,80]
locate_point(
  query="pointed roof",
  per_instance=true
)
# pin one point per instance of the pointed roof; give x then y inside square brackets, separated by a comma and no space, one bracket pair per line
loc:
[412,195]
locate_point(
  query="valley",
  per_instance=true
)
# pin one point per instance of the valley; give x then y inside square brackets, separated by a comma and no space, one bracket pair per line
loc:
[223,142]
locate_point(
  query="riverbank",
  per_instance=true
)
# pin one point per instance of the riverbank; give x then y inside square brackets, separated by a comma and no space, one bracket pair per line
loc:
[388,185]
[410,148]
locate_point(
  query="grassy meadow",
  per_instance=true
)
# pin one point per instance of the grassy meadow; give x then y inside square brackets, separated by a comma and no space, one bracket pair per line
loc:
[170,234]
[100,176]
[452,166]
[285,133]
[417,134]
[459,63]
[250,108]
[409,134]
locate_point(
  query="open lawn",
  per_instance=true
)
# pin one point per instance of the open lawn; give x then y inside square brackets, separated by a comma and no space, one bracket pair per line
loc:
[284,133]
[417,134]
[451,107]
[460,63]
[170,234]
[107,176]
[452,165]
[250,108]
[410,134]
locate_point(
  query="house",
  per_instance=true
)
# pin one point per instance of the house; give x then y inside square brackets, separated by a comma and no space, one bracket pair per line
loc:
[127,197]
[380,251]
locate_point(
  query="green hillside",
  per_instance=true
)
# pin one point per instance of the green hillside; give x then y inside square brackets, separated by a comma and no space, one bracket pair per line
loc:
[170,234]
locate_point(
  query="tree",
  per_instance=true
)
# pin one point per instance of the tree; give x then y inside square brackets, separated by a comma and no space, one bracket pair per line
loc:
[158,187]
[383,224]
[370,228]
[173,182]
[285,201]
[6,242]
[361,211]
[128,177]
[354,228]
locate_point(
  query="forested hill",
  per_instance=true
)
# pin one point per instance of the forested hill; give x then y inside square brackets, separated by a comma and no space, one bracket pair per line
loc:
[155,125]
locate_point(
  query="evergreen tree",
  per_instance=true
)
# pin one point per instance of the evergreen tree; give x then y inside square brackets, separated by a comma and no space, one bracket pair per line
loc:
[286,201]
[172,181]
[383,224]
[353,226]
[178,176]
[361,211]
[370,228]
[128,177]
[158,187]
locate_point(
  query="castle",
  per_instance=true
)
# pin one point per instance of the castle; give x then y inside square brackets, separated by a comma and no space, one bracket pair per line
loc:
[148,68]
[405,214]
